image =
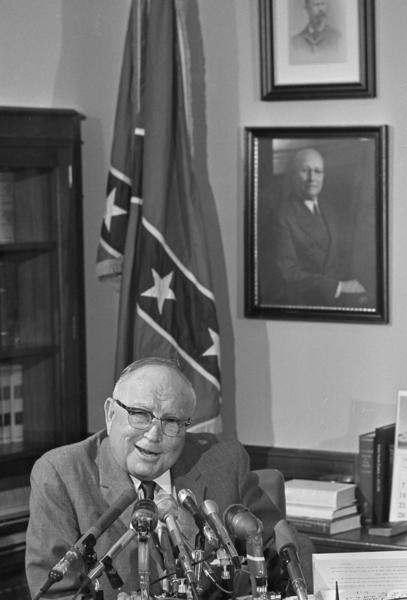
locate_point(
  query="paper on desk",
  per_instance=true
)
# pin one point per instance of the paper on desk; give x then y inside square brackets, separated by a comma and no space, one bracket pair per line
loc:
[398,499]
[360,575]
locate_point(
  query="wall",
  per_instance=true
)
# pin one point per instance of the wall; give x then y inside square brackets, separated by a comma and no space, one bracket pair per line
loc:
[67,53]
[300,384]
[306,385]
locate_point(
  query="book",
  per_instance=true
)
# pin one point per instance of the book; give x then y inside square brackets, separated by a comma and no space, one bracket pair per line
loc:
[384,437]
[16,403]
[8,526]
[365,476]
[14,539]
[319,512]
[8,513]
[5,401]
[8,303]
[326,526]
[319,493]
[389,528]
[14,497]
[398,505]
[7,210]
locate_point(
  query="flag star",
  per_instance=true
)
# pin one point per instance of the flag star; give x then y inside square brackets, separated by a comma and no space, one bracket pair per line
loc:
[213,350]
[161,289]
[112,210]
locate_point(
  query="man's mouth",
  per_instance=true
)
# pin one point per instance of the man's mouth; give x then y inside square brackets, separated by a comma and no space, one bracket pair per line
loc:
[145,452]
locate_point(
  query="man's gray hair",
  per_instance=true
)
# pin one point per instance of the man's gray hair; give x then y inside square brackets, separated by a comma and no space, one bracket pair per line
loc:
[148,361]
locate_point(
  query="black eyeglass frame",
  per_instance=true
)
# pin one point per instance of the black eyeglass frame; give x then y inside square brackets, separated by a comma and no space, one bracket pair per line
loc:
[182,425]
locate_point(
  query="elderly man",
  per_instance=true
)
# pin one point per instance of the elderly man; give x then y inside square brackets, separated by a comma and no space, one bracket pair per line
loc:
[318,41]
[306,240]
[145,440]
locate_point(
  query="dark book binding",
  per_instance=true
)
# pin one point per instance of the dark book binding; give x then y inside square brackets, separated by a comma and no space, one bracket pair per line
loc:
[365,476]
[384,438]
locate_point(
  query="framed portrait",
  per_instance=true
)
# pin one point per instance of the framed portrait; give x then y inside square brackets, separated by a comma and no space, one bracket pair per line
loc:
[317,49]
[316,223]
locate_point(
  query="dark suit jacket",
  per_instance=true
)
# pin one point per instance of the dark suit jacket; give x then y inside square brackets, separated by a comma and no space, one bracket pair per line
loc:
[327,46]
[73,485]
[307,253]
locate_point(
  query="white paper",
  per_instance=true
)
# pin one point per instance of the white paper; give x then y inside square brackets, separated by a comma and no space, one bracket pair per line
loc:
[360,575]
[398,503]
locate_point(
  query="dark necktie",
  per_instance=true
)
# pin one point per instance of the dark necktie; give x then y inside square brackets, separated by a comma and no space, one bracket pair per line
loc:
[148,489]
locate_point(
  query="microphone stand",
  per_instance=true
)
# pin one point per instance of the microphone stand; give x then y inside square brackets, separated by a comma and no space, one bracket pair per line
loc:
[197,556]
[90,559]
[85,551]
[227,569]
[143,531]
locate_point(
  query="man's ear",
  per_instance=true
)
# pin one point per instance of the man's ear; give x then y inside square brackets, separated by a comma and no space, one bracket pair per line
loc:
[109,413]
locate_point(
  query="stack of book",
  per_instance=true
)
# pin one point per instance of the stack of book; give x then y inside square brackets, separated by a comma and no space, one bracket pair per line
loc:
[374,474]
[14,514]
[11,403]
[325,507]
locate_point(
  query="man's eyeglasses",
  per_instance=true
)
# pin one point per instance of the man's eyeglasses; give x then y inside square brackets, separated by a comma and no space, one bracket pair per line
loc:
[141,419]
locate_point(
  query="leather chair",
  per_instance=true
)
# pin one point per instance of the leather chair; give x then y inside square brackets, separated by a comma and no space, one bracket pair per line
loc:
[272,482]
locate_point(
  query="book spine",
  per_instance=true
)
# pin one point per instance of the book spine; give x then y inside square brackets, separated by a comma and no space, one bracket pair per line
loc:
[8,304]
[388,477]
[382,472]
[326,498]
[16,392]
[365,477]
[312,525]
[5,394]
[7,208]
[1,409]
[378,458]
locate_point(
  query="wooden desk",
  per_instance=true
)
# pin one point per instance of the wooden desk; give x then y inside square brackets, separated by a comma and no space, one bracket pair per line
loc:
[357,540]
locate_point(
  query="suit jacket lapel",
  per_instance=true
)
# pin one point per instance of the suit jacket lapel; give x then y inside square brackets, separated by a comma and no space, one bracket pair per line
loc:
[314,226]
[113,480]
[186,475]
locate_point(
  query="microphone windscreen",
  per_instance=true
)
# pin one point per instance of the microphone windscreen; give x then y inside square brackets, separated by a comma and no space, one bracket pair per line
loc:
[241,522]
[145,510]
[284,535]
[186,494]
[209,507]
[166,505]
[111,514]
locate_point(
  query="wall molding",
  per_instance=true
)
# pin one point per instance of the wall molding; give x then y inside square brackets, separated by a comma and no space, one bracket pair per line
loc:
[304,464]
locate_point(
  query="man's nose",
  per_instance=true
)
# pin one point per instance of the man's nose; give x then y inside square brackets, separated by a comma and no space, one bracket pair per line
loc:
[154,432]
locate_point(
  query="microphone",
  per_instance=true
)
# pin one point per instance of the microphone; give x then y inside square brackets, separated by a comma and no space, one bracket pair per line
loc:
[287,549]
[88,539]
[210,510]
[187,499]
[168,513]
[246,526]
[145,517]
[169,560]
[144,521]
[106,560]
[241,522]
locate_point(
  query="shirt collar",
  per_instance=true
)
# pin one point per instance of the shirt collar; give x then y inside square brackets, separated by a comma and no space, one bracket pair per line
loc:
[311,204]
[163,481]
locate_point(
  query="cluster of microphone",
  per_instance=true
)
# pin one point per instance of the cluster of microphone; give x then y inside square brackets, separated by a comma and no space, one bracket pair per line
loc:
[154,525]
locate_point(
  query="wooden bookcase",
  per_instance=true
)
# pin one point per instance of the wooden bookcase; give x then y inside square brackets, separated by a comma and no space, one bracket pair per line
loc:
[42,325]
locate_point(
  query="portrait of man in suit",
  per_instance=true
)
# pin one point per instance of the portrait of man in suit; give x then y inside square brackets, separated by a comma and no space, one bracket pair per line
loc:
[316,242]
[318,41]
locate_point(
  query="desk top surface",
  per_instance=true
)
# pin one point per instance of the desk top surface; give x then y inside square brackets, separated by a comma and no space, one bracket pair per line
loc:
[359,539]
